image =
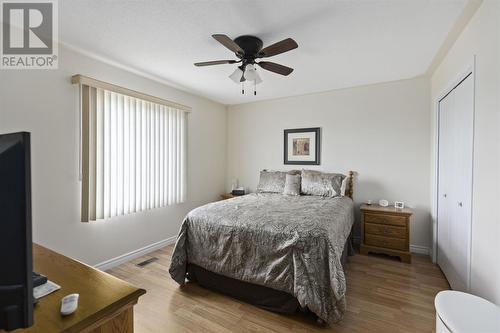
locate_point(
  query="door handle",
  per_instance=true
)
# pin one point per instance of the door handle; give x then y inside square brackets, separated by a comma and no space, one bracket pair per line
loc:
[460,204]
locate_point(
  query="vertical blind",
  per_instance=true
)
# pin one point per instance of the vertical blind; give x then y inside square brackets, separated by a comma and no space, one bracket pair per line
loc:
[133,154]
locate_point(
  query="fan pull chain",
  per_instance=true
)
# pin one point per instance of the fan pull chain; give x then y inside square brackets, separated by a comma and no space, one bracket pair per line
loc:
[255,88]
[242,88]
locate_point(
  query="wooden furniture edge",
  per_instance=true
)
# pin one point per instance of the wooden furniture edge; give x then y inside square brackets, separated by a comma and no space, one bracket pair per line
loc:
[130,299]
[405,256]
[110,311]
[372,209]
[374,212]
[350,181]
[102,320]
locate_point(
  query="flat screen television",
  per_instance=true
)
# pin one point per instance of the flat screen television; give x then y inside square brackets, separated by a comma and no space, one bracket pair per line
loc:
[16,286]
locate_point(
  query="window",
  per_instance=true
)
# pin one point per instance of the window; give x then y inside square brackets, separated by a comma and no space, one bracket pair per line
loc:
[133,151]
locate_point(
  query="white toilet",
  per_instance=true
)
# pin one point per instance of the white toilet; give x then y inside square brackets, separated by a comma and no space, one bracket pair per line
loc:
[459,312]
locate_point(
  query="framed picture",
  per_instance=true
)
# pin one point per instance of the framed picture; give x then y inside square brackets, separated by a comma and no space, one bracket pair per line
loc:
[399,205]
[302,146]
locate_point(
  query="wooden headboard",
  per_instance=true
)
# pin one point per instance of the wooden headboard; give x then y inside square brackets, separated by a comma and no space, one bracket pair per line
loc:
[350,184]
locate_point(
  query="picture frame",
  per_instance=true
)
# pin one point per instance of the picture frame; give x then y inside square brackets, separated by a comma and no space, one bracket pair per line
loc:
[302,146]
[399,205]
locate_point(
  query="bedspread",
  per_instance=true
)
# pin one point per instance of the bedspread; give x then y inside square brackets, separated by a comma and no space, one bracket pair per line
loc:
[289,243]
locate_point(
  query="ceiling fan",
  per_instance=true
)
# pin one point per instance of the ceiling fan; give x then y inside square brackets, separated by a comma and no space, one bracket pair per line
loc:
[248,49]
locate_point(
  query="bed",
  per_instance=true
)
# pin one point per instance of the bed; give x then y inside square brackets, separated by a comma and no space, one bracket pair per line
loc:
[279,252]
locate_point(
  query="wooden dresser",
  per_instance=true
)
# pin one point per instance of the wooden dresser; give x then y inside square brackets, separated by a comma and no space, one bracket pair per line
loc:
[386,230]
[105,304]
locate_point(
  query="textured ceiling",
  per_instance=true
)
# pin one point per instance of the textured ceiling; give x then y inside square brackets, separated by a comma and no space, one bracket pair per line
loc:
[341,43]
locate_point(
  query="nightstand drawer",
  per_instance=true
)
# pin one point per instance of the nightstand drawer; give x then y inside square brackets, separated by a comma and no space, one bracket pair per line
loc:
[389,243]
[385,230]
[385,219]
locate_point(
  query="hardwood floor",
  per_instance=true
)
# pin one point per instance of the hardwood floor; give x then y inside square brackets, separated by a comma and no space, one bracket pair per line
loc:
[383,295]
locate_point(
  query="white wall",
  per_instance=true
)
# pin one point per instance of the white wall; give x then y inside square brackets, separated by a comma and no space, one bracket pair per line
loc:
[481,37]
[43,102]
[380,131]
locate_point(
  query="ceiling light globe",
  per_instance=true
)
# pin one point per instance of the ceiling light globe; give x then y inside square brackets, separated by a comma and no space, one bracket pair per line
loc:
[236,76]
[250,73]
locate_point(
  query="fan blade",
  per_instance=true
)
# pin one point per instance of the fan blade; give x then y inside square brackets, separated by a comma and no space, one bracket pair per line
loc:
[276,68]
[229,43]
[215,62]
[277,48]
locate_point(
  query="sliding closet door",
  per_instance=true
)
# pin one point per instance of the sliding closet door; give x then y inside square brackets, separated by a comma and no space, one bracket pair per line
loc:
[456,116]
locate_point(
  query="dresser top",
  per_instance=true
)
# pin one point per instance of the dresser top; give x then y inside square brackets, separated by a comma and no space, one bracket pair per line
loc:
[388,209]
[100,293]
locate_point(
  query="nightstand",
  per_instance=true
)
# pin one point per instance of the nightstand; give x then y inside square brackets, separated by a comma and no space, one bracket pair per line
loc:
[386,230]
[226,196]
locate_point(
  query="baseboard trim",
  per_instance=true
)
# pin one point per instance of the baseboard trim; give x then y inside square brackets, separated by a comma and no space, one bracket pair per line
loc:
[420,249]
[108,264]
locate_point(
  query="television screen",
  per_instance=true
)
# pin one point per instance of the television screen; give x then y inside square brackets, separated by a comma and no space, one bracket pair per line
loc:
[16,290]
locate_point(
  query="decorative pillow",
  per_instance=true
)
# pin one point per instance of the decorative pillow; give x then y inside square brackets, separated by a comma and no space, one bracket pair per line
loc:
[322,184]
[271,182]
[292,184]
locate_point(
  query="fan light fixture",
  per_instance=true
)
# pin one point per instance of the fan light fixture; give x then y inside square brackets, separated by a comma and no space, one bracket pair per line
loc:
[237,75]
[248,49]
[250,74]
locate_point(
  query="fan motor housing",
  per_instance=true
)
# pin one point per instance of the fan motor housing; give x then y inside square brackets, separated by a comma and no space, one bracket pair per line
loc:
[250,44]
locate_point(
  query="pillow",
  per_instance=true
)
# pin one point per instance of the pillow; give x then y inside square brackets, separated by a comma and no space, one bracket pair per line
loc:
[343,187]
[292,185]
[322,184]
[271,182]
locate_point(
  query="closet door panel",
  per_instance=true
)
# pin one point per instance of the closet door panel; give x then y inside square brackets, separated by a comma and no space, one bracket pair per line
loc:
[462,198]
[444,183]
[453,231]
[455,183]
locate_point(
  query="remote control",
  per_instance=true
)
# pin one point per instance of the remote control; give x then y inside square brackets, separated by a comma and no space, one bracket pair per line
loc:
[69,304]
